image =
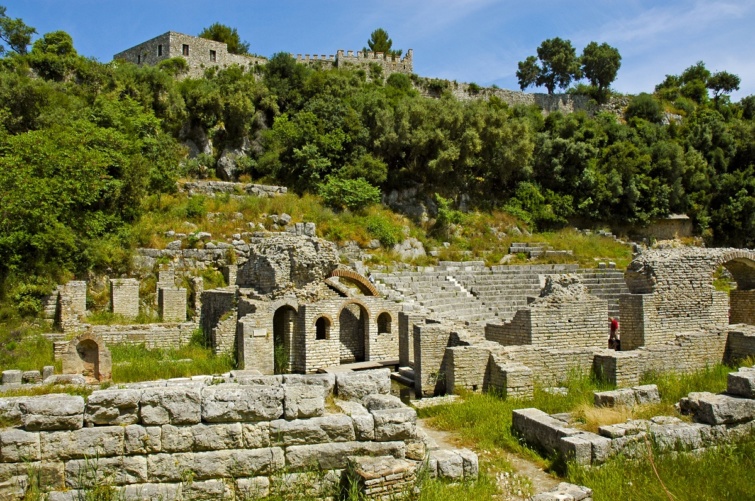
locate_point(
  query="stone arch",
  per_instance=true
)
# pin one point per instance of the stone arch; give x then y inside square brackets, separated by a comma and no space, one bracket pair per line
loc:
[353,331]
[323,324]
[365,286]
[741,265]
[384,322]
[87,355]
[285,315]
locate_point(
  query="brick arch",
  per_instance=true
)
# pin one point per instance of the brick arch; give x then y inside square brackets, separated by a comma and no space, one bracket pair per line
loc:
[357,302]
[741,265]
[391,321]
[325,316]
[284,302]
[364,285]
[87,354]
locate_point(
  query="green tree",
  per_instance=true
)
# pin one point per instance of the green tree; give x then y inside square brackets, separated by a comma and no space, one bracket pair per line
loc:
[227,35]
[380,42]
[600,64]
[15,33]
[558,66]
[58,43]
[722,82]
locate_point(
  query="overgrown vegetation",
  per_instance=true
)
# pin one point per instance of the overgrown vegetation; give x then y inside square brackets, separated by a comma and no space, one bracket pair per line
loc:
[133,363]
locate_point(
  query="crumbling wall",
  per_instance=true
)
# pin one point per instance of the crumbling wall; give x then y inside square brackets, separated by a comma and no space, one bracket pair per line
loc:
[742,307]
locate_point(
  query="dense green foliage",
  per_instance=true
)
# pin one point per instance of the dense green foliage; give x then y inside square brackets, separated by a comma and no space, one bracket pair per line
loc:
[227,35]
[82,143]
[380,42]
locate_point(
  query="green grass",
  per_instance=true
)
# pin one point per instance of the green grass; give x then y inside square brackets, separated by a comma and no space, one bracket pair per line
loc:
[132,363]
[22,346]
[714,474]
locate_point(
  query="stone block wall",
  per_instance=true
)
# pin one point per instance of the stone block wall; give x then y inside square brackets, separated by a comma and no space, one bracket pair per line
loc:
[406,321]
[742,307]
[689,352]
[549,366]
[430,358]
[124,297]
[511,379]
[196,440]
[741,343]
[71,304]
[621,368]
[218,318]
[172,304]
[467,368]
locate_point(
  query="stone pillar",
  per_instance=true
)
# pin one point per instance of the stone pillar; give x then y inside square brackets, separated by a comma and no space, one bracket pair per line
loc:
[230,273]
[511,379]
[406,323]
[166,278]
[255,347]
[636,312]
[618,367]
[172,304]
[430,342]
[124,297]
[197,286]
[72,304]
[467,368]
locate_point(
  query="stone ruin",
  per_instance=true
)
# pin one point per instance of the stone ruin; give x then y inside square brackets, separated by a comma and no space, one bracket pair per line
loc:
[87,355]
[242,434]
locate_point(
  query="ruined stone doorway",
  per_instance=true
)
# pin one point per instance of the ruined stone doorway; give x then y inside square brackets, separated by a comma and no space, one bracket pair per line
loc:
[353,330]
[88,352]
[284,327]
[738,276]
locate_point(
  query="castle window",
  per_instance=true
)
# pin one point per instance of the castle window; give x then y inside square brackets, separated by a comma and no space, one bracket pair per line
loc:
[213,56]
[138,59]
[160,50]
[185,50]
[322,328]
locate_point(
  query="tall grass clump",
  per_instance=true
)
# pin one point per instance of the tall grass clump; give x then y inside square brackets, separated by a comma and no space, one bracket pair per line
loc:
[133,363]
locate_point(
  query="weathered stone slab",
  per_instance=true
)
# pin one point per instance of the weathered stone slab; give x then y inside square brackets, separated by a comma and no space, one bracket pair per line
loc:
[113,407]
[448,464]
[646,394]
[230,402]
[565,492]
[741,384]
[10,411]
[125,470]
[12,377]
[326,381]
[31,377]
[217,436]
[538,428]
[257,435]
[395,424]
[623,397]
[142,440]
[177,438]
[332,428]
[52,412]
[18,446]
[209,490]
[162,492]
[303,401]
[364,422]
[215,464]
[724,409]
[357,385]
[253,488]
[333,456]
[170,405]
[101,441]
[381,402]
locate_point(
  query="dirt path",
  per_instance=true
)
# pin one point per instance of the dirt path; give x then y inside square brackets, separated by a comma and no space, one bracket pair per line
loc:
[514,486]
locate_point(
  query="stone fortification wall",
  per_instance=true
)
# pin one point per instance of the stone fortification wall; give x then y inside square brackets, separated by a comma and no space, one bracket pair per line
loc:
[208,439]
[363,60]
[172,303]
[199,53]
[431,365]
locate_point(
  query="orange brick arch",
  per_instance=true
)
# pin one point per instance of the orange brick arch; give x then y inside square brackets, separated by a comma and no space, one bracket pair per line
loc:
[364,285]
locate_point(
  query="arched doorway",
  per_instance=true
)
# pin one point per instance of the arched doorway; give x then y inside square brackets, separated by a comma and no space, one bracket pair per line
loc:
[284,327]
[353,324]
[88,352]
[384,323]
[737,275]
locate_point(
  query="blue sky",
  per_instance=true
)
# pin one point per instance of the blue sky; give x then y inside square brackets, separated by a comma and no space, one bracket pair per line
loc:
[477,41]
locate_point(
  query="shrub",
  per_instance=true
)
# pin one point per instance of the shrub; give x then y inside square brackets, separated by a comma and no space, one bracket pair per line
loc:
[645,106]
[474,88]
[384,230]
[352,194]
[195,208]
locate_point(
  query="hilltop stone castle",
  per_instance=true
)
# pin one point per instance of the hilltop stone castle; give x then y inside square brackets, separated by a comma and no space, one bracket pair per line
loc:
[201,54]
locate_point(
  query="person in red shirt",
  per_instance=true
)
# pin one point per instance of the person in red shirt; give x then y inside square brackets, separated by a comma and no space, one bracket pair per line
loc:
[614,343]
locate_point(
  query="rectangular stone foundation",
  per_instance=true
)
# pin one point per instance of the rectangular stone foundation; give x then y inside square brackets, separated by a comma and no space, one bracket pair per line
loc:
[618,367]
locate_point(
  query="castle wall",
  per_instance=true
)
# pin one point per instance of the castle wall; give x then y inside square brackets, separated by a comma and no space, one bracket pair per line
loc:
[124,297]
[172,302]
[163,336]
